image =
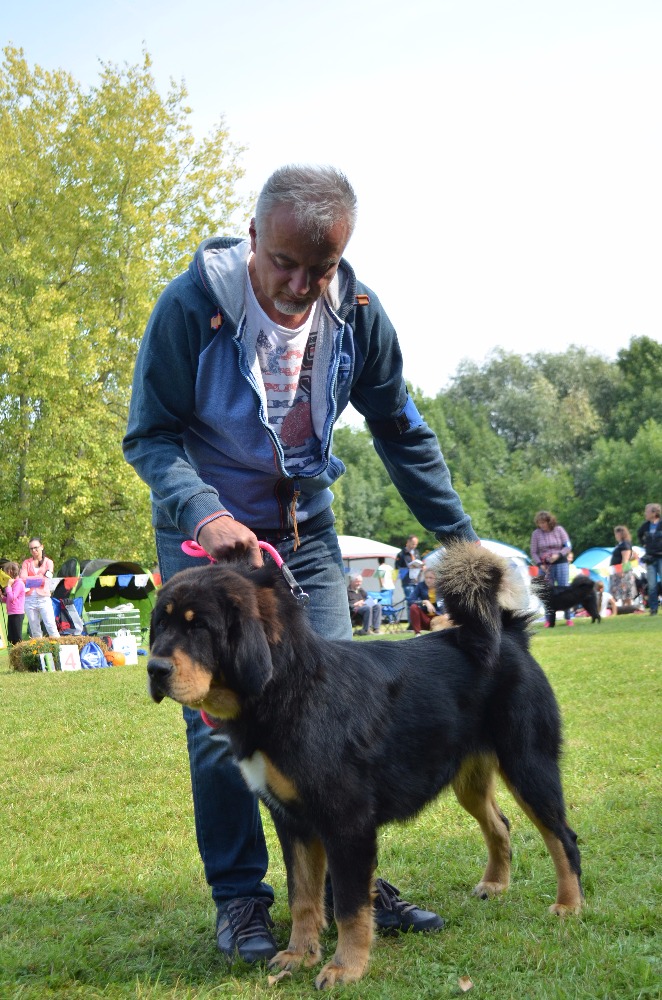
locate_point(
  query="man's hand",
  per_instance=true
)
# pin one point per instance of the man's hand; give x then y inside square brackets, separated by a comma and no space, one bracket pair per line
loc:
[226,539]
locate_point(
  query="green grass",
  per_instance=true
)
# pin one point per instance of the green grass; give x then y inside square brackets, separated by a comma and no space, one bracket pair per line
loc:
[101,886]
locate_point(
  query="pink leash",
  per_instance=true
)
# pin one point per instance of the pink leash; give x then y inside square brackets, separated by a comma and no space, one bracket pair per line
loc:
[197,551]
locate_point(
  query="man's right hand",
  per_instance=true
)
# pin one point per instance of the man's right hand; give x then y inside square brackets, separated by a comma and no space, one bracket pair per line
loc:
[226,540]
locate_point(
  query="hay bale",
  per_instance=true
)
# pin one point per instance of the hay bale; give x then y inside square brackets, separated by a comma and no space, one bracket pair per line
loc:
[24,656]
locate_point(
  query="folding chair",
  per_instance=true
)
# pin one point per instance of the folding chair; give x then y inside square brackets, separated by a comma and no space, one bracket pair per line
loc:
[392,614]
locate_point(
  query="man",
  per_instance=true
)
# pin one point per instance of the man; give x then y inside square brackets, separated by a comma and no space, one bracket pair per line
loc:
[247,361]
[409,563]
[650,536]
[363,607]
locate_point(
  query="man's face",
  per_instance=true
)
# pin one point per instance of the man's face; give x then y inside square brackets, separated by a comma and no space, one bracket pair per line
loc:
[289,270]
[413,543]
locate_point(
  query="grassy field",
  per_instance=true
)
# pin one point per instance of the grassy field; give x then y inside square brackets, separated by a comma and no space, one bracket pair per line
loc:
[101,886]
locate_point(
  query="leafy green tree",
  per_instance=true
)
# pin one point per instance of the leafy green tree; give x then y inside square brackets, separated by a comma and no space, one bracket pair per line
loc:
[618,480]
[104,194]
[639,394]
[552,405]
[359,495]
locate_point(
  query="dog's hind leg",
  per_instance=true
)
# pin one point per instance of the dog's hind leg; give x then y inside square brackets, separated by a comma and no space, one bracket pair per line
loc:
[474,788]
[305,861]
[536,786]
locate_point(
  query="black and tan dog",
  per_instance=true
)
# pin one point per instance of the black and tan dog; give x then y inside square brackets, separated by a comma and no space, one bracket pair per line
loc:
[580,591]
[339,738]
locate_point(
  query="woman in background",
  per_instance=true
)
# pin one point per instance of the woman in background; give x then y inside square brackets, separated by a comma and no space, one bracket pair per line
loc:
[426,603]
[622,584]
[38,604]
[550,548]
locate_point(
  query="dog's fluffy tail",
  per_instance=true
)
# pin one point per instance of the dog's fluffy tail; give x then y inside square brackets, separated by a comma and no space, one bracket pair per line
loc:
[478,587]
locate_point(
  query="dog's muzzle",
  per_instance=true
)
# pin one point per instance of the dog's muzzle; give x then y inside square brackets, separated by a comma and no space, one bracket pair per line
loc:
[159,672]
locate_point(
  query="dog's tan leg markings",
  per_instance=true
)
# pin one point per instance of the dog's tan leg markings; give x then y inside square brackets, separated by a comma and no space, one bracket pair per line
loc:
[474,787]
[281,786]
[306,896]
[568,890]
[353,950]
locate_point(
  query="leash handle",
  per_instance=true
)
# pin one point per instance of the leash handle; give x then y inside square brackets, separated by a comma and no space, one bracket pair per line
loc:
[195,550]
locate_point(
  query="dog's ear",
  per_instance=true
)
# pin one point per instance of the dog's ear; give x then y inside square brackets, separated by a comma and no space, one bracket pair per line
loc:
[252,657]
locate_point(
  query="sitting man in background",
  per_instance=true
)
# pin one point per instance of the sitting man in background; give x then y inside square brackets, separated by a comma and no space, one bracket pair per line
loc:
[363,608]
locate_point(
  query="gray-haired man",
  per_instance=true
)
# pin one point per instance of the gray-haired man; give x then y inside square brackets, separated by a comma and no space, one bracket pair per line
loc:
[248,360]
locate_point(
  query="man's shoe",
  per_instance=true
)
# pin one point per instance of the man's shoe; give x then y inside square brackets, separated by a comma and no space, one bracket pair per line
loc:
[395,914]
[243,929]
[569,621]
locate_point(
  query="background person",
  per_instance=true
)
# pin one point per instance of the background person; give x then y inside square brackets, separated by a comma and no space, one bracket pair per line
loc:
[13,594]
[622,584]
[650,536]
[386,576]
[425,603]
[247,360]
[362,608]
[38,603]
[408,563]
[403,561]
[550,548]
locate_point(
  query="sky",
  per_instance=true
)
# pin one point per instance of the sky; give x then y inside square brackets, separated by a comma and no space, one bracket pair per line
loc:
[507,156]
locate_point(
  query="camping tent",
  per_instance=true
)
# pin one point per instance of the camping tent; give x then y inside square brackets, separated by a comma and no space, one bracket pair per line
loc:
[360,555]
[104,583]
[353,547]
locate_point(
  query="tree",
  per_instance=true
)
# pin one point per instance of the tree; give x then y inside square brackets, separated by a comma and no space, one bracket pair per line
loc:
[639,395]
[551,405]
[618,480]
[104,195]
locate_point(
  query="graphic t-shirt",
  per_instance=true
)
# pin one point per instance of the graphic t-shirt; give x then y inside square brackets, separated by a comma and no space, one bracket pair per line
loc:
[286,362]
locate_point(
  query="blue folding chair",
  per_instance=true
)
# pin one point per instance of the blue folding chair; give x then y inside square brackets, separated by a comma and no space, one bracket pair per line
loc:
[392,614]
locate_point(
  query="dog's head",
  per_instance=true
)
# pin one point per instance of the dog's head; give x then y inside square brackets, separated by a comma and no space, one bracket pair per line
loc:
[210,638]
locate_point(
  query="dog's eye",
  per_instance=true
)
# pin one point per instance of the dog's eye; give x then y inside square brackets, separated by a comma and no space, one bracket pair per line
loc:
[197,623]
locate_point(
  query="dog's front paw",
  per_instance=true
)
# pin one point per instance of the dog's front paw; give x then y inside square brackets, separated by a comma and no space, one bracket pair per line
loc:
[561,910]
[485,890]
[333,973]
[290,959]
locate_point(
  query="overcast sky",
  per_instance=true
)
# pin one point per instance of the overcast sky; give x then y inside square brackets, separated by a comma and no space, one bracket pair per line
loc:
[507,155]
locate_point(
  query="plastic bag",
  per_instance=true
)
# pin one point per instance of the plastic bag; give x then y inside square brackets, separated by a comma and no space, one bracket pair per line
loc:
[91,656]
[126,642]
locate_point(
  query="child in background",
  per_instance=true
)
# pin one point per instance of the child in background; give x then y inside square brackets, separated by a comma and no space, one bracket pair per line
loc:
[13,596]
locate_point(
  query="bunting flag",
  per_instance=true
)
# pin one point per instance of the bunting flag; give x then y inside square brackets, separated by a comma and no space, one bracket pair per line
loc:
[124,580]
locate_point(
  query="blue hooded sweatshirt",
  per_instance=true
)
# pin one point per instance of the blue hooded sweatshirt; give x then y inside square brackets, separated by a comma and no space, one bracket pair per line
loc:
[198,433]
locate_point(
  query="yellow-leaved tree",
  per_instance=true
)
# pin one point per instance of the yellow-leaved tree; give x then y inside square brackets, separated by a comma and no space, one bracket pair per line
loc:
[104,195]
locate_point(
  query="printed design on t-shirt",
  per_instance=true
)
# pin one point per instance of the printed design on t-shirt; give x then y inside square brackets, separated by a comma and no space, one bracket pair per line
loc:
[297,427]
[286,373]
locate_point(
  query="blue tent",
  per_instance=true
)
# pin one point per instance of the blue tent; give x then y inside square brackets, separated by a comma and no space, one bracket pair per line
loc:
[596,561]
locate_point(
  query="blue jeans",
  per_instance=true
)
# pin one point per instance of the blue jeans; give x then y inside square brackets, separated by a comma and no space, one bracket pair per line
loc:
[654,576]
[227,818]
[371,617]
